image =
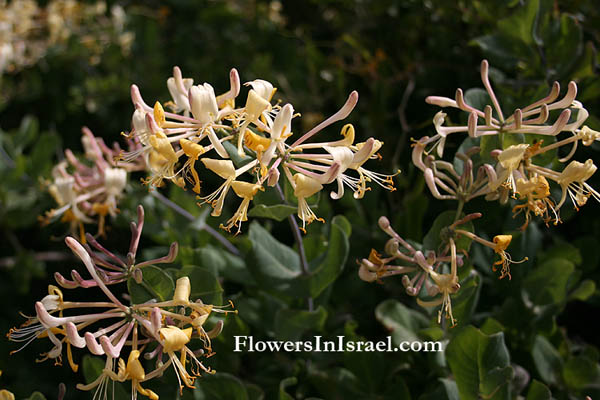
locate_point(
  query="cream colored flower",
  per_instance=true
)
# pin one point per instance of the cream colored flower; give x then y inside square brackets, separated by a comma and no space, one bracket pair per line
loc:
[572,180]
[509,160]
[304,187]
[246,191]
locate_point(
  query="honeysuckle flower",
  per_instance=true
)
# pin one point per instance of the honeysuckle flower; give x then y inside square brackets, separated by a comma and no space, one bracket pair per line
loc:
[192,151]
[342,155]
[261,128]
[246,191]
[529,120]
[204,103]
[5,394]
[425,269]
[499,244]
[179,89]
[264,89]
[88,193]
[572,181]
[304,187]
[516,161]
[536,193]
[447,284]
[174,339]
[509,161]
[225,169]
[100,383]
[255,105]
[111,329]
[133,371]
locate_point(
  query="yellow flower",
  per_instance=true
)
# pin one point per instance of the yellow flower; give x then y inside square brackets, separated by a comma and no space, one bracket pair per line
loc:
[192,151]
[161,161]
[246,191]
[536,192]
[447,285]
[255,105]
[509,159]
[6,395]
[572,180]
[225,169]
[175,339]
[306,186]
[501,243]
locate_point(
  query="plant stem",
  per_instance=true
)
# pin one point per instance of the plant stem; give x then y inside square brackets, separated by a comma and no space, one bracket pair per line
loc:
[459,209]
[298,239]
[184,213]
[297,234]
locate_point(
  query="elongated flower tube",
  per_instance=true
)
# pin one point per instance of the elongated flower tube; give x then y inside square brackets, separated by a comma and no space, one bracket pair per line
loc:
[171,143]
[111,329]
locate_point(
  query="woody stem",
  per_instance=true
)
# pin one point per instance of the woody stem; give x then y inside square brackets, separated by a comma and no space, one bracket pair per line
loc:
[205,227]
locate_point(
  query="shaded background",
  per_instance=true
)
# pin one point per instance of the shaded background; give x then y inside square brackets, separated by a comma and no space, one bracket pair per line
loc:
[395,53]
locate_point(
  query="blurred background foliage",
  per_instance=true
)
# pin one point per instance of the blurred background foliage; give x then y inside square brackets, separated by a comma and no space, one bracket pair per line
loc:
[525,338]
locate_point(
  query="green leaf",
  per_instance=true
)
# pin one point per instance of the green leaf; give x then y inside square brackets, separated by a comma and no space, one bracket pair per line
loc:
[43,152]
[511,139]
[291,324]
[566,36]
[583,291]
[254,392]
[487,144]
[221,263]
[157,284]
[491,326]
[538,391]
[501,51]
[400,321]
[233,154]
[438,234]
[548,156]
[277,212]
[92,368]
[221,386]
[547,284]
[277,266]
[480,364]
[465,301]
[205,284]
[291,381]
[28,131]
[521,24]
[563,250]
[477,98]
[445,389]
[579,371]
[324,271]
[36,396]
[546,359]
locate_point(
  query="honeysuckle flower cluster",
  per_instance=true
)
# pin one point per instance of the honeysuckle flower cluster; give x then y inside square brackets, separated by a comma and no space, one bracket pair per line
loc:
[430,276]
[27,30]
[123,334]
[88,191]
[514,172]
[202,126]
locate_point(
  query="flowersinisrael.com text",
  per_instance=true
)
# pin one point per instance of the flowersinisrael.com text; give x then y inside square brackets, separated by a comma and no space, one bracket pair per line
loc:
[339,344]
